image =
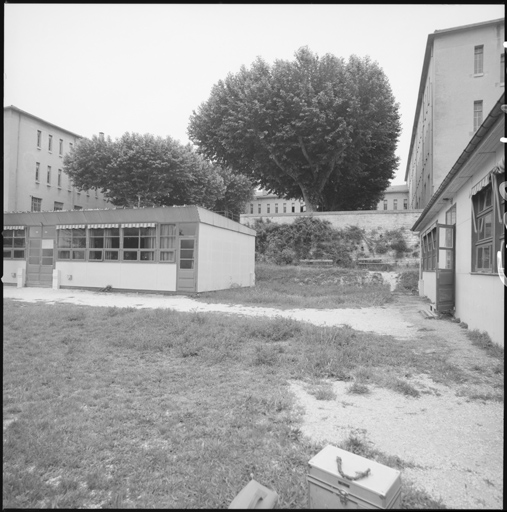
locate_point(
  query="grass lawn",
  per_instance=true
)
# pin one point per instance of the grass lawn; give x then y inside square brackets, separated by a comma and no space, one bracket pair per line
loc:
[293,287]
[119,408]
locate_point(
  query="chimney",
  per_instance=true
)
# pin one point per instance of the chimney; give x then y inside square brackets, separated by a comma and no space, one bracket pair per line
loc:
[101,135]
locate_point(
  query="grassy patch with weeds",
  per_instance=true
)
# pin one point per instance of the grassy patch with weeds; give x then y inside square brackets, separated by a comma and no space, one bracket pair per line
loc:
[408,281]
[305,287]
[155,408]
[357,388]
[482,340]
[322,391]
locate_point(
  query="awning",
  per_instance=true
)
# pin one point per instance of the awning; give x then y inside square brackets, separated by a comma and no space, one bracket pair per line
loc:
[6,228]
[102,226]
[71,226]
[479,186]
[139,225]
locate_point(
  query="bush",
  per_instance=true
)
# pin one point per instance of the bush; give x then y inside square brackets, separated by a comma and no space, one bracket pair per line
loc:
[408,281]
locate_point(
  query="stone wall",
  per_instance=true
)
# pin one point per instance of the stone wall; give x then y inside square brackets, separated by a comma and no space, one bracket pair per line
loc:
[374,223]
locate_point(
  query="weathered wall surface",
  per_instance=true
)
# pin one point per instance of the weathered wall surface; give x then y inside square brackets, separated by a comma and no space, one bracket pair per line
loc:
[373,222]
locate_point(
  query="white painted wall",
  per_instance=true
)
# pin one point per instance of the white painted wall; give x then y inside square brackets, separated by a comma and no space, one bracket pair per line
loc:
[225,258]
[122,275]
[10,267]
[479,298]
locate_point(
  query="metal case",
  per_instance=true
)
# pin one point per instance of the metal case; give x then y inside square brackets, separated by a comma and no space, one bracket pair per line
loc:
[380,489]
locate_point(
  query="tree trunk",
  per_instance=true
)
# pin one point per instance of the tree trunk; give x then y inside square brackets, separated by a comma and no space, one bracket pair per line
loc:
[310,205]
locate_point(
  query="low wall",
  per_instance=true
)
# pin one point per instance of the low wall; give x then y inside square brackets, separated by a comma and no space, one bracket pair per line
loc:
[369,220]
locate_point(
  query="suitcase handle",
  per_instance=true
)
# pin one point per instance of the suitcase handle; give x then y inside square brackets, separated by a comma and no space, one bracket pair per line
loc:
[258,496]
[357,476]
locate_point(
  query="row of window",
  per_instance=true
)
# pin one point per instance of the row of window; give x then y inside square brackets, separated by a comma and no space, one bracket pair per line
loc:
[293,207]
[479,62]
[36,205]
[488,234]
[108,244]
[395,204]
[50,143]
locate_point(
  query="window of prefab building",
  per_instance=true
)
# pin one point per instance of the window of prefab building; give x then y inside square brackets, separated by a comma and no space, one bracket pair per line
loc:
[139,244]
[104,244]
[168,243]
[14,244]
[450,215]
[429,250]
[488,208]
[71,244]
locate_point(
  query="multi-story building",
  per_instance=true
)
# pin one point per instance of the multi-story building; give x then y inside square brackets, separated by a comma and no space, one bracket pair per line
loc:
[33,166]
[462,78]
[395,198]
[268,204]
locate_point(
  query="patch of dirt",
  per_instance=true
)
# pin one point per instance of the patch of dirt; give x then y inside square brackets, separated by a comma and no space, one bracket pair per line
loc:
[454,443]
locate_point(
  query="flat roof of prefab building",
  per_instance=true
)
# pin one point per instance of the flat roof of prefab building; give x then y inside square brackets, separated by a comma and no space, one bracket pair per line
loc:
[161,214]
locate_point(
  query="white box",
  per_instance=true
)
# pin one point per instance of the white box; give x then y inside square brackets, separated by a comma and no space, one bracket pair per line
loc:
[327,488]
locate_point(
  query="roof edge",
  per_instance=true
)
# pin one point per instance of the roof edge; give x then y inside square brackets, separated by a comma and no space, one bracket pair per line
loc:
[19,111]
[479,135]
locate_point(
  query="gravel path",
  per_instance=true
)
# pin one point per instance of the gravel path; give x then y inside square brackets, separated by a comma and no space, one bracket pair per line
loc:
[455,444]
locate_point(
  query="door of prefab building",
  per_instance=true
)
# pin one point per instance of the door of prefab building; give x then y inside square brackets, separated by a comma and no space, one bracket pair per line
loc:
[445,271]
[41,259]
[186,265]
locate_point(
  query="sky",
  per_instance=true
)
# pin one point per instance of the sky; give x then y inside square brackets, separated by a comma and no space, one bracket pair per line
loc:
[144,68]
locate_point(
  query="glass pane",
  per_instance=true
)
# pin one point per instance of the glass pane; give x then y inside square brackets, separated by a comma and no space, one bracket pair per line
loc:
[147,231]
[487,198]
[112,232]
[148,242]
[64,255]
[111,255]
[445,237]
[97,243]
[189,264]
[167,243]
[79,242]
[8,239]
[187,254]
[19,254]
[488,225]
[188,229]
[129,255]
[130,231]
[131,243]
[486,258]
[167,229]
[167,256]
[147,255]
[444,259]
[47,253]
[19,242]
[187,244]
[96,232]
[7,254]
[79,232]
[95,255]
[19,233]
[78,255]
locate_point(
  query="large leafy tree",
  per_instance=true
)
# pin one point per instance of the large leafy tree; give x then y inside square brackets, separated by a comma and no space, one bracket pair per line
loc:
[144,170]
[321,129]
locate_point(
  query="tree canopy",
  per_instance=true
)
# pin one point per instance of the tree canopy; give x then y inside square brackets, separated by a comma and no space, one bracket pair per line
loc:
[144,170]
[319,129]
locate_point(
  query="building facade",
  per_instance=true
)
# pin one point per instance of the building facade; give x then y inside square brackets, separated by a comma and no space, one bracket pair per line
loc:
[182,249]
[462,77]
[395,198]
[33,166]
[463,237]
[268,204]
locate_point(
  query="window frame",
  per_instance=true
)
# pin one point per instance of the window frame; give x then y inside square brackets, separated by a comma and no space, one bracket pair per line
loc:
[405,204]
[37,172]
[395,204]
[490,239]
[385,204]
[50,143]
[429,250]
[35,201]
[479,60]
[75,247]
[60,147]
[10,249]
[141,252]
[48,176]
[55,209]
[108,247]
[59,178]
[167,237]
[39,139]
[478,114]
